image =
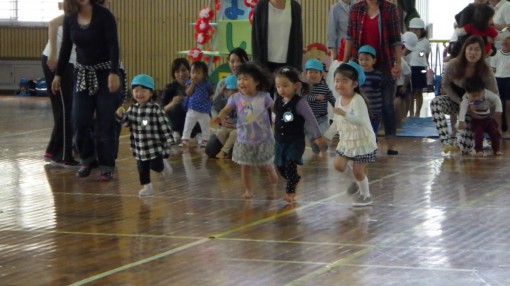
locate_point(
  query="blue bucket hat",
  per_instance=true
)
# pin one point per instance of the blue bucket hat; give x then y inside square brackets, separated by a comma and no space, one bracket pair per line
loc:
[143,80]
[314,64]
[361,74]
[367,49]
[231,82]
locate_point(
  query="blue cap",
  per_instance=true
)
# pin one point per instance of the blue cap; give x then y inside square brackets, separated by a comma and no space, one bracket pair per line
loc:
[361,74]
[314,64]
[143,80]
[231,82]
[367,49]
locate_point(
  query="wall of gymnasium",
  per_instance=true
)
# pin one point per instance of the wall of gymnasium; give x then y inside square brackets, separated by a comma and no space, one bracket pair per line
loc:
[151,32]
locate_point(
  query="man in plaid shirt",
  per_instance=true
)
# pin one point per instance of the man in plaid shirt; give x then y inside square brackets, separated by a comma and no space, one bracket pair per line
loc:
[150,131]
[377,23]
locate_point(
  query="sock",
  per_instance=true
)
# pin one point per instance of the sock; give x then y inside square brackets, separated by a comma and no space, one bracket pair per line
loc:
[363,187]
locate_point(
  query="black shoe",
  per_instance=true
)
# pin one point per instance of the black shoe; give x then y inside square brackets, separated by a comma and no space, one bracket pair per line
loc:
[392,152]
[84,171]
[106,176]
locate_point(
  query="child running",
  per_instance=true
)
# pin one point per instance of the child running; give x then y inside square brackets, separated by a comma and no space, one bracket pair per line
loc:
[292,111]
[255,142]
[357,138]
[150,131]
[318,99]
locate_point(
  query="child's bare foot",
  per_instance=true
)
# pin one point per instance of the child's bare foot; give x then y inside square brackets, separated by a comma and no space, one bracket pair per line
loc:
[498,153]
[184,143]
[478,154]
[221,155]
[290,198]
[247,194]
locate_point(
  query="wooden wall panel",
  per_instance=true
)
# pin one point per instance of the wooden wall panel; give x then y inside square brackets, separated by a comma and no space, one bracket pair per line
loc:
[151,33]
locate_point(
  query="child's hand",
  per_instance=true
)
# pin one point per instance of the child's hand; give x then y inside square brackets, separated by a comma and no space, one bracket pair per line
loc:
[120,111]
[339,111]
[320,97]
[462,125]
[321,142]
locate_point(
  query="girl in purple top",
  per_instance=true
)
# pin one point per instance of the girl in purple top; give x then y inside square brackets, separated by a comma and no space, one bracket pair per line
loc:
[255,142]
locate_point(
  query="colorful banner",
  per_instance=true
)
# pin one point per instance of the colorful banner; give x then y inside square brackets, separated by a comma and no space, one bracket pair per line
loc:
[232,34]
[234,10]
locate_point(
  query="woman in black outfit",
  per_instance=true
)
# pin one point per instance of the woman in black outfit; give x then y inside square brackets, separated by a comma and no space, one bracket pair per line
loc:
[93,30]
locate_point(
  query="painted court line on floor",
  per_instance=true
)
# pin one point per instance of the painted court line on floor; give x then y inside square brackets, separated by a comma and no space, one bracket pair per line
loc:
[222,234]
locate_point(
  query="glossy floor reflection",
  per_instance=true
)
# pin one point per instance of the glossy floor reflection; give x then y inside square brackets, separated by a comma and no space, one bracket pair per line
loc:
[437,220]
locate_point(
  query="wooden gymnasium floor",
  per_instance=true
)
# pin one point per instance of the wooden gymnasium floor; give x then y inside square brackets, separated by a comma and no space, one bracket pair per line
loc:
[437,220]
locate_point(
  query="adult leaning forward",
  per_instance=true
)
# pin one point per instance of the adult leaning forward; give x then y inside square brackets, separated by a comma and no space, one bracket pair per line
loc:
[377,23]
[469,63]
[93,30]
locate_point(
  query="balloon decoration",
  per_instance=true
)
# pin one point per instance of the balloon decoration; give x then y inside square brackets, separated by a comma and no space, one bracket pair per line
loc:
[203,32]
[251,4]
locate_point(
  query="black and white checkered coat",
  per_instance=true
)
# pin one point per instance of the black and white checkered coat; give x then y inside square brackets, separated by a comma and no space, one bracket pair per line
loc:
[150,130]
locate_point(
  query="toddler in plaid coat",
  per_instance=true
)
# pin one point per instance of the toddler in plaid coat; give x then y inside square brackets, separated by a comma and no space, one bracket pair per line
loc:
[150,131]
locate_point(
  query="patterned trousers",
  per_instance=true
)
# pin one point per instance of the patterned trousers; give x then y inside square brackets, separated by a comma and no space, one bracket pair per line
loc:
[289,173]
[441,105]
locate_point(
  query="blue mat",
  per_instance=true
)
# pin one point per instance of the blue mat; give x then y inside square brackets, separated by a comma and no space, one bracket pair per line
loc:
[418,127]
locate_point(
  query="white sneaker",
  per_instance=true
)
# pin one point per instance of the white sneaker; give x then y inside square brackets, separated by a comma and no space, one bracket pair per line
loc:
[146,190]
[167,171]
[199,139]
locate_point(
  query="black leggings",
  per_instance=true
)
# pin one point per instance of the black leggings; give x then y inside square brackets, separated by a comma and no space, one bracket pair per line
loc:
[289,173]
[145,167]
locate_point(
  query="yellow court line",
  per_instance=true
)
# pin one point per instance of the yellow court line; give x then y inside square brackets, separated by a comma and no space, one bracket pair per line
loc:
[139,262]
[219,235]
[344,261]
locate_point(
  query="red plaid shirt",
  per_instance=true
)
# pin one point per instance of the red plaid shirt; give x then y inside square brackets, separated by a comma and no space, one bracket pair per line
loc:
[389,31]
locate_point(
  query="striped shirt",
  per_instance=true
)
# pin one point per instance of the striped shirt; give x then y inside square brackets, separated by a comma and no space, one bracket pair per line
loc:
[320,107]
[372,89]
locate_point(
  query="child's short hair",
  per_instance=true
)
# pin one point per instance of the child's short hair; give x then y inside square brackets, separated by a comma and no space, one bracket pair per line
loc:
[258,73]
[474,84]
[231,82]
[201,66]
[177,63]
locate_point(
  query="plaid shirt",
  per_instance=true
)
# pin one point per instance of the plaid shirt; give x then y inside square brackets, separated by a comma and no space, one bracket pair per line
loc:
[149,128]
[389,31]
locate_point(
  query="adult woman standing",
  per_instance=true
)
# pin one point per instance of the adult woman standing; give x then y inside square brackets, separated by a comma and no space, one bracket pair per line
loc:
[59,149]
[93,30]
[277,34]
[469,63]
[377,23]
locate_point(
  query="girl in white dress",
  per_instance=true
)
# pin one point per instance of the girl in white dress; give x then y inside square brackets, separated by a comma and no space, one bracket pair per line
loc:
[357,145]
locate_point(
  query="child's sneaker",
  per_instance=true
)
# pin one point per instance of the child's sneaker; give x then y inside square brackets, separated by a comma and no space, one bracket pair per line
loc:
[362,201]
[353,189]
[146,190]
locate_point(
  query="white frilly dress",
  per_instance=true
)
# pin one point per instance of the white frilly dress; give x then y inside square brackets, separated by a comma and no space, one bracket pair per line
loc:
[357,138]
